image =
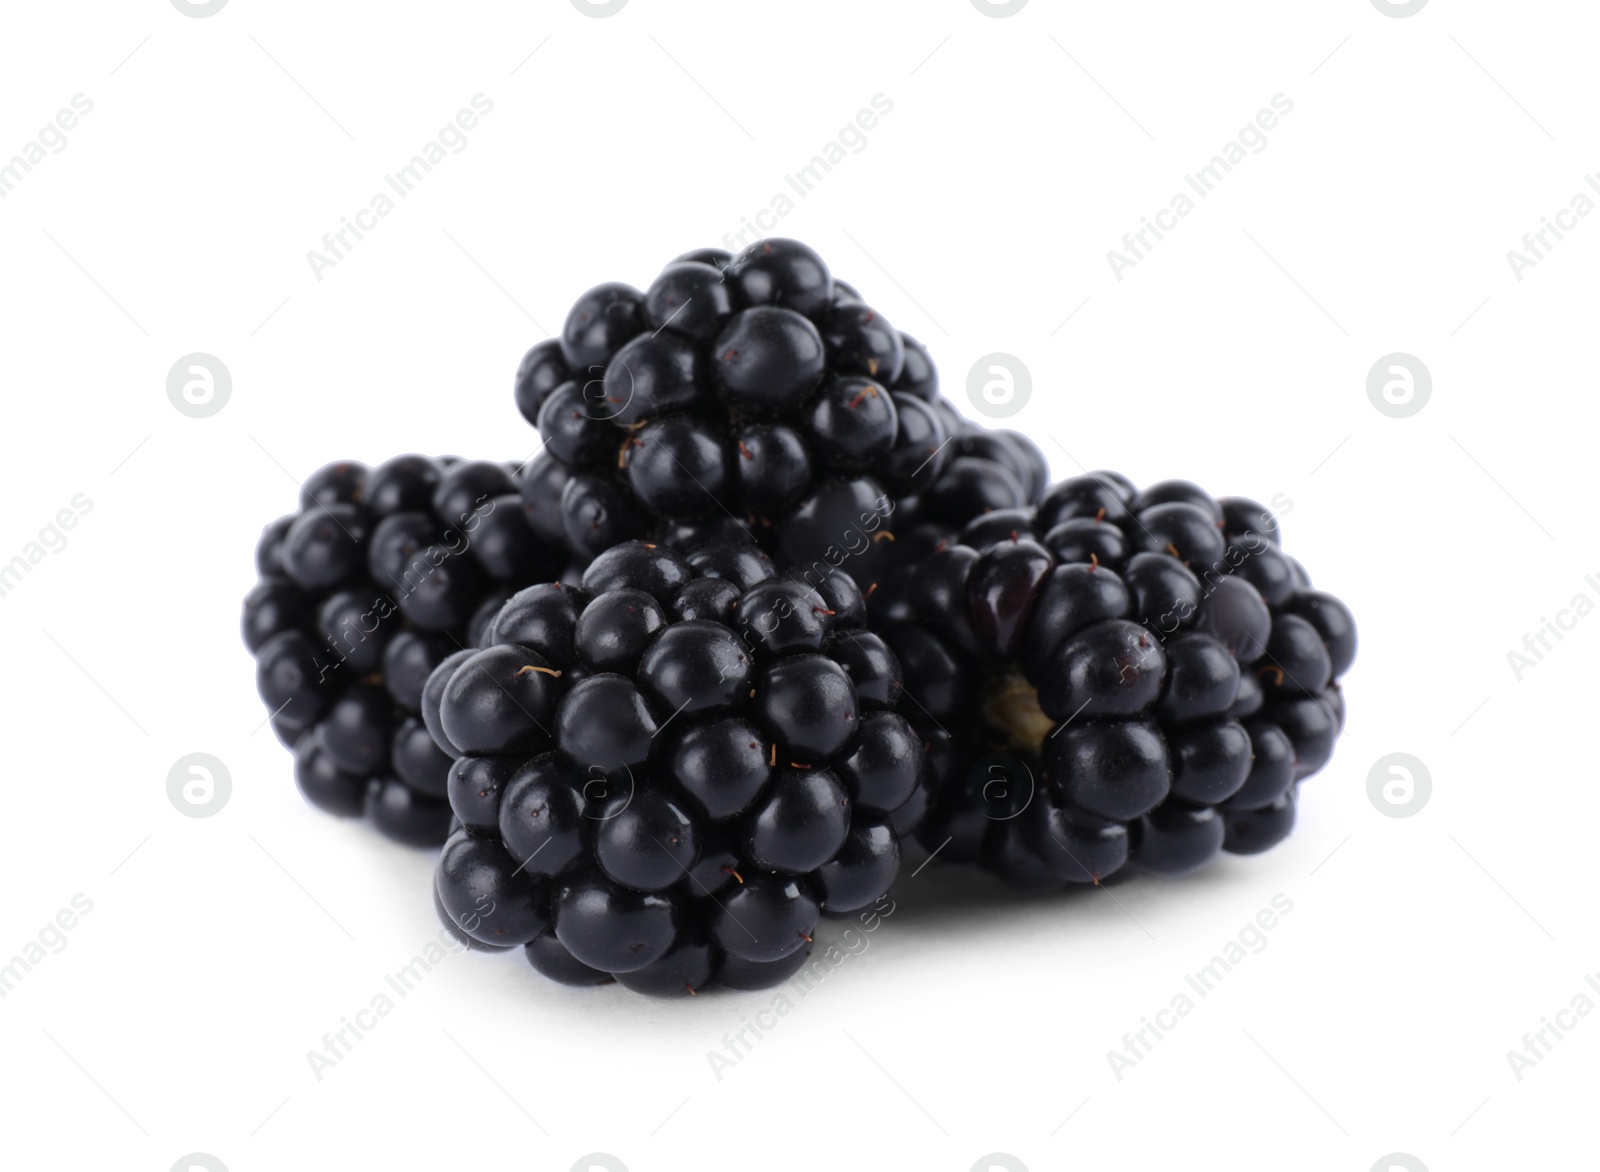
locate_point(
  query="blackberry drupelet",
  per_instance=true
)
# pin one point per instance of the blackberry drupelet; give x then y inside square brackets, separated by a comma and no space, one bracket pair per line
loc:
[751,393]
[1155,679]
[380,576]
[670,772]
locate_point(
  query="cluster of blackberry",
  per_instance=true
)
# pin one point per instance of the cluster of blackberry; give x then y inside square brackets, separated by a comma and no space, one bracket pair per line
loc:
[750,395]
[1155,678]
[666,775]
[763,608]
[380,575]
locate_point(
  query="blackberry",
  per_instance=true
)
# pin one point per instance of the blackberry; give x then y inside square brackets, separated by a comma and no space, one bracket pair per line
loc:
[381,574]
[754,393]
[1155,679]
[670,771]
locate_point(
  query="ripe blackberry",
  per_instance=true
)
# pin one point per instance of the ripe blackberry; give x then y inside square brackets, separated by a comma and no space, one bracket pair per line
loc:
[672,770]
[757,392]
[381,574]
[1155,679]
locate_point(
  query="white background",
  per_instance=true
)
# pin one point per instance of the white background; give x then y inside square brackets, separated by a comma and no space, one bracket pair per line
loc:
[178,1015]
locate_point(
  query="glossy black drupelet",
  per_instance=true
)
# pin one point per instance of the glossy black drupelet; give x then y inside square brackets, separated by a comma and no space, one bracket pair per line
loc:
[755,394]
[673,769]
[382,573]
[1155,679]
